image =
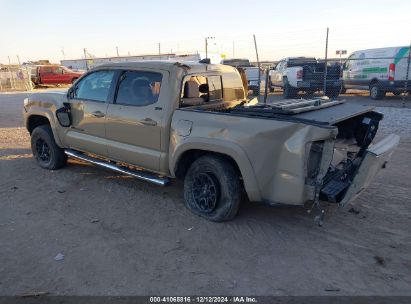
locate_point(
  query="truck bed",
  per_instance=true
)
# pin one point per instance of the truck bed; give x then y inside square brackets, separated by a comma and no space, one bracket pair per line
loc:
[305,111]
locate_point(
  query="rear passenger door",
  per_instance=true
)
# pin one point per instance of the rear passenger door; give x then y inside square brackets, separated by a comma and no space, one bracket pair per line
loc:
[135,118]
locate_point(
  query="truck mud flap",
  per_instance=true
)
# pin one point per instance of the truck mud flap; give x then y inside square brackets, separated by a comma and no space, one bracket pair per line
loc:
[374,159]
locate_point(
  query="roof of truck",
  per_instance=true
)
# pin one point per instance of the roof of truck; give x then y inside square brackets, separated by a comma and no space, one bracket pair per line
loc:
[168,65]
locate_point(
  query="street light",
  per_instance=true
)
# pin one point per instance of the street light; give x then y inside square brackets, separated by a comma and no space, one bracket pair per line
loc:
[206,45]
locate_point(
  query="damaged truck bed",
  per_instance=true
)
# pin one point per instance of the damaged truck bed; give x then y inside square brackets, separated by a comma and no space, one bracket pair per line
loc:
[335,169]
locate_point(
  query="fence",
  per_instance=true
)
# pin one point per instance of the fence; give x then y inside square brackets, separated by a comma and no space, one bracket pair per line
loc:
[15,78]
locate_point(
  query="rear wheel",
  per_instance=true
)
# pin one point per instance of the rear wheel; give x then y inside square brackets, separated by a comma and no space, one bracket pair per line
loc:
[212,189]
[45,150]
[376,92]
[333,92]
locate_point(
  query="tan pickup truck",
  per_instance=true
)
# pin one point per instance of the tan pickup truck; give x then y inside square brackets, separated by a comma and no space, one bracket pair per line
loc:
[163,120]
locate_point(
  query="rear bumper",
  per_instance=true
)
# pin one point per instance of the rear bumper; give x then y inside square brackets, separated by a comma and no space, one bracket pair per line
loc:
[373,160]
[394,86]
[318,84]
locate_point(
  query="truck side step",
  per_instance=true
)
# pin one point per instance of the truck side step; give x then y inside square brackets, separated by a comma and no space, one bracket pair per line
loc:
[140,174]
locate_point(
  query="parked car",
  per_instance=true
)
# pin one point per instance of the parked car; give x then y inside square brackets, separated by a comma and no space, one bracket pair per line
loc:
[379,70]
[295,74]
[252,78]
[53,75]
[162,120]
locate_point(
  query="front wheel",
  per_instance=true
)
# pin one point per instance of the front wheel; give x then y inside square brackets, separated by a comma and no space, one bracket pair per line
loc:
[45,150]
[212,189]
[376,92]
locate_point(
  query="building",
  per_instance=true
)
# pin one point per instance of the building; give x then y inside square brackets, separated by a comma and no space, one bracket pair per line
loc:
[86,64]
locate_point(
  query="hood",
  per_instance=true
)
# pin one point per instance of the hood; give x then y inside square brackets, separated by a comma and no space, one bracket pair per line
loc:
[54,97]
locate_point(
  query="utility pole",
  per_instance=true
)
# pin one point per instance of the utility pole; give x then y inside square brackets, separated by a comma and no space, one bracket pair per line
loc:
[85,57]
[325,63]
[406,77]
[266,88]
[159,48]
[117,51]
[206,45]
[259,68]
[18,59]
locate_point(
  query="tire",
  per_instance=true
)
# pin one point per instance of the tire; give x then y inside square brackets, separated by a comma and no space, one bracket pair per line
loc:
[376,92]
[212,189]
[333,92]
[45,150]
[288,91]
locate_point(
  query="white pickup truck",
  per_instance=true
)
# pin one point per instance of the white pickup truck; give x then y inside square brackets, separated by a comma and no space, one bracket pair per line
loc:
[295,74]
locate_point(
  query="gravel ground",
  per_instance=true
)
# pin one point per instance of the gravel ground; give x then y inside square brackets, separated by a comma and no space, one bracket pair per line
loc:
[120,236]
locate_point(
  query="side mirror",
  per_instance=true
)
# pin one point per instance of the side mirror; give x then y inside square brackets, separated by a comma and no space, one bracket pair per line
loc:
[70,92]
[64,115]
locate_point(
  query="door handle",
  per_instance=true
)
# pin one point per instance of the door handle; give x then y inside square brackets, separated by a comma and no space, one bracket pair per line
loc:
[98,114]
[148,122]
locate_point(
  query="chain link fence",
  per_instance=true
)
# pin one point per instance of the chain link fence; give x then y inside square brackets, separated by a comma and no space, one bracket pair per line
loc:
[15,78]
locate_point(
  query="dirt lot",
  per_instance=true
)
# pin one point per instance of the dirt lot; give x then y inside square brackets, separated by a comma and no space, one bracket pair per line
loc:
[120,236]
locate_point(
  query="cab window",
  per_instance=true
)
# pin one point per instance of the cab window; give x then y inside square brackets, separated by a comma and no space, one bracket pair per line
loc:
[138,88]
[215,88]
[198,90]
[232,87]
[95,86]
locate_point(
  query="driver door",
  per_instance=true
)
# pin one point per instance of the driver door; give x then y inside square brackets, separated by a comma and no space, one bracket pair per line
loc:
[88,101]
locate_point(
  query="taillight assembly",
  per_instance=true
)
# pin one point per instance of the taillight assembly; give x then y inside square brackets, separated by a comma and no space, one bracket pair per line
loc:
[300,74]
[391,72]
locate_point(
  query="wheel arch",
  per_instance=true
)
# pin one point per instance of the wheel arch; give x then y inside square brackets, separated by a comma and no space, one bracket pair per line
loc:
[33,121]
[188,152]
[374,81]
[38,119]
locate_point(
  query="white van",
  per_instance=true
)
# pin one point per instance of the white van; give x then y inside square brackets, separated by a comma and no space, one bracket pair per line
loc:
[377,70]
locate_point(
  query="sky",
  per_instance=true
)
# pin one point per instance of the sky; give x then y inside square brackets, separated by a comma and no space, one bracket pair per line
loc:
[55,30]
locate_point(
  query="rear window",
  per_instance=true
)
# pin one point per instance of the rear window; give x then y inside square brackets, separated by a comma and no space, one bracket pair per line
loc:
[232,87]
[201,90]
[215,88]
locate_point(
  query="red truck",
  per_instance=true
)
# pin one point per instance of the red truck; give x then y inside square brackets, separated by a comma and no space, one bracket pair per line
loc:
[53,74]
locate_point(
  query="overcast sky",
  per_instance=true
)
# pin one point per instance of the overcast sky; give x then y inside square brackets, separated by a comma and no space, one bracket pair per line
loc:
[61,29]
